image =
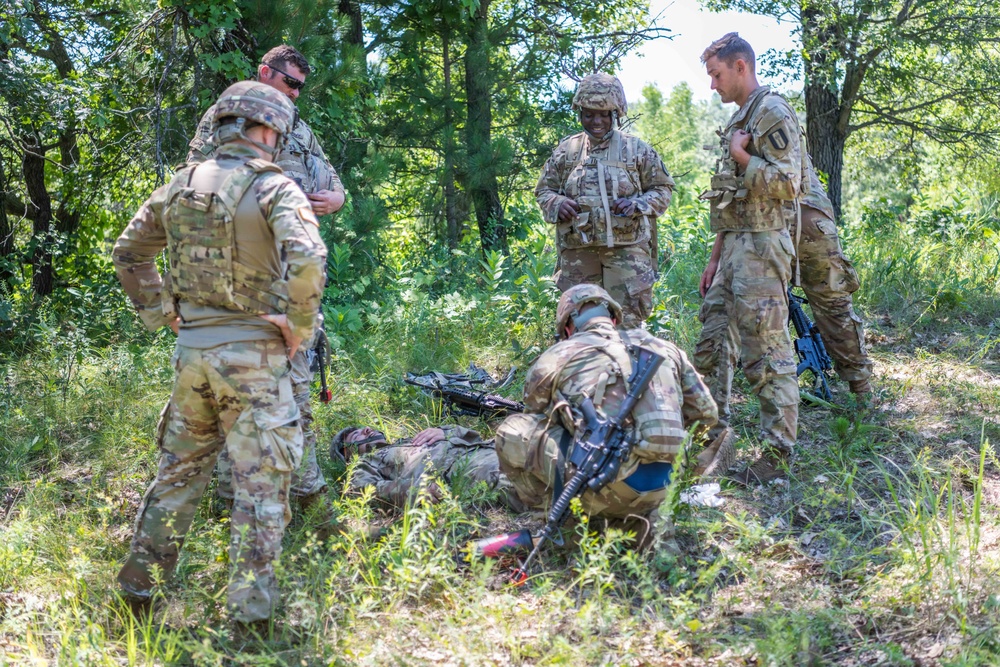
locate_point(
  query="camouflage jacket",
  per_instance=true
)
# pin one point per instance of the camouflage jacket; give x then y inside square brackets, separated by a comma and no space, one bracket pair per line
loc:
[275,233]
[302,158]
[396,470]
[763,198]
[632,169]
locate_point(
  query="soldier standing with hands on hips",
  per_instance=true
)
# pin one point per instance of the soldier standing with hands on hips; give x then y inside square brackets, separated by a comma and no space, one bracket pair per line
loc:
[246,273]
[302,159]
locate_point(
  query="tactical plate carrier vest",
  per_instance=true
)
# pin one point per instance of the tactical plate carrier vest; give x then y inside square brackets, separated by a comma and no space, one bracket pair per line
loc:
[733,206]
[300,164]
[200,227]
[616,176]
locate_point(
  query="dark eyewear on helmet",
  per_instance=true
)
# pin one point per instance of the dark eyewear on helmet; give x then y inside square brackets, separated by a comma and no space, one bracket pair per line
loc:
[289,80]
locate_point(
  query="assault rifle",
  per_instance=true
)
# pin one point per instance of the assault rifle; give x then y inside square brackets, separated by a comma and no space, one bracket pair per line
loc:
[597,455]
[462,396]
[809,346]
[320,361]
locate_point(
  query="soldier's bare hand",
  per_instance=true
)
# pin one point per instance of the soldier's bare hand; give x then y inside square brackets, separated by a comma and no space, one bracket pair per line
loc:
[325,202]
[624,206]
[292,341]
[568,210]
[175,326]
[739,141]
[435,492]
[708,276]
[738,148]
[428,437]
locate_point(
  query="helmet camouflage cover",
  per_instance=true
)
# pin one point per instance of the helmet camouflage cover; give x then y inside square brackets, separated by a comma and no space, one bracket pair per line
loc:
[602,92]
[576,297]
[257,102]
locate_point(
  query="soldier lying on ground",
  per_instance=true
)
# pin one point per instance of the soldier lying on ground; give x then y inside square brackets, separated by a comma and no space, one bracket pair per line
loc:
[395,470]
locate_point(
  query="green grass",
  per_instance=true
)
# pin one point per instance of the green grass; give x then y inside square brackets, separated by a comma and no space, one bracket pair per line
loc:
[883,548]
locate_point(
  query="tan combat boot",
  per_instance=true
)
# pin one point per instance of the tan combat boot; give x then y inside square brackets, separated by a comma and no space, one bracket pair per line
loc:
[719,456]
[860,387]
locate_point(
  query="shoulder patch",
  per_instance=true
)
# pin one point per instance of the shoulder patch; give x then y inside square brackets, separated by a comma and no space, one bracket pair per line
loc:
[306,214]
[778,139]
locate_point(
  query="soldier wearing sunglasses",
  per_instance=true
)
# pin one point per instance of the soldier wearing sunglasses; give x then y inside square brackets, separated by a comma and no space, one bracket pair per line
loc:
[303,160]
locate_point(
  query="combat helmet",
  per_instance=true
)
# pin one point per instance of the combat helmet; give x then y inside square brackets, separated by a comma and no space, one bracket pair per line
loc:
[602,92]
[255,102]
[575,298]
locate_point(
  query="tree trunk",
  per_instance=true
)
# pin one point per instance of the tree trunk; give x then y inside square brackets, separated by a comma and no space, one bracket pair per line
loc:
[40,205]
[6,232]
[68,215]
[825,134]
[484,190]
[824,138]
[352,10]
[451,219]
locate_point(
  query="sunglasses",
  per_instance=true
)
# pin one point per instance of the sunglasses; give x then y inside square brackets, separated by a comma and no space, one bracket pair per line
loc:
[290,81]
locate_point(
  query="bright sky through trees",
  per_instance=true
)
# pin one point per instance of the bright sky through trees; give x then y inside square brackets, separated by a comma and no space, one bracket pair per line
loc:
[668,62]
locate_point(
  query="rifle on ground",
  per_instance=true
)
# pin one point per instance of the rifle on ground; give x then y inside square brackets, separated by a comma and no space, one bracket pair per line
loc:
[462,395]
[809,346]
[597,455]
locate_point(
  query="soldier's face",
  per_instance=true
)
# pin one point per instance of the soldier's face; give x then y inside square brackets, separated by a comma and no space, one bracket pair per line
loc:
[726,79]
[366,439]
[276,79]
[595,121]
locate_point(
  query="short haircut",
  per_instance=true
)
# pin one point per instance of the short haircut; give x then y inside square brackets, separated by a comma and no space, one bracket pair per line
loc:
[729,48]
[282,55]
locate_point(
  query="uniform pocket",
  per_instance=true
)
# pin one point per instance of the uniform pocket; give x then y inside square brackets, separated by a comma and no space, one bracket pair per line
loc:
[280,436]
[271,518]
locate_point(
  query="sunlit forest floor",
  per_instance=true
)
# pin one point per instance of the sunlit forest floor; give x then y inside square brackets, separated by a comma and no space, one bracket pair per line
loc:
[882,548]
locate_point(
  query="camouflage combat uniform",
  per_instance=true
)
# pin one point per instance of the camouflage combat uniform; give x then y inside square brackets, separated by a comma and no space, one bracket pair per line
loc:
[755,211]
[242,241]
[828,278]
[302,159]
[620,263]
[594,362]
[395,470]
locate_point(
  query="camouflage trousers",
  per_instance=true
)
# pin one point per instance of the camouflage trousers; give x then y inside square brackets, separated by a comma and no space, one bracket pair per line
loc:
[307,479]
[235,398]
[626,272]
[748,295]
[828,279]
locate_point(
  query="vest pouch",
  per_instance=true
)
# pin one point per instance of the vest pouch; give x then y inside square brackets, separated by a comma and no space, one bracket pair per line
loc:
[628,229]
[576,233]
[527,447]
[200,237]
